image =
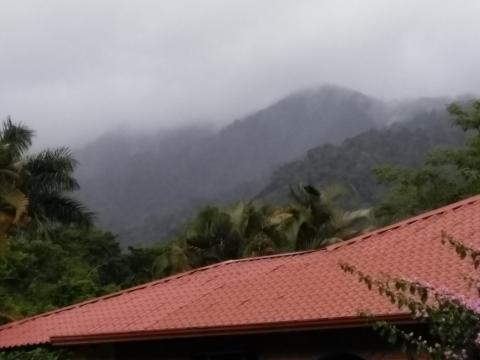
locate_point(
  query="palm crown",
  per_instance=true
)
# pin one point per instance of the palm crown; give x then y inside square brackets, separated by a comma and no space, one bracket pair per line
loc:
[37,185]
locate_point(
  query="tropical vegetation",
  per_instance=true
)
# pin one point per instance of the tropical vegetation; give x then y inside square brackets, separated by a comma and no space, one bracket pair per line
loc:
[54,254]
[310,221]
[447,175]
[35,188]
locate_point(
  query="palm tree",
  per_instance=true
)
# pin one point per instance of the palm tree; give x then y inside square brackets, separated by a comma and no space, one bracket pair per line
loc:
[212,237]
[260,232]
[37,185]
[14,141]
[209,238]
[313,220]
[48,178]
[173,259]
[249,229]
[215,235]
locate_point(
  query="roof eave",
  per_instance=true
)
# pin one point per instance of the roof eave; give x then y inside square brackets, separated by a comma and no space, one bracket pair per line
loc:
[261,328]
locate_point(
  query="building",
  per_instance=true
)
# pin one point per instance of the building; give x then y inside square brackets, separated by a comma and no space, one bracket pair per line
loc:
[290,306]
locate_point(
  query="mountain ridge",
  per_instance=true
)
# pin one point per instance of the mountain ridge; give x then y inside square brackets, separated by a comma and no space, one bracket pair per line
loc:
[165,177]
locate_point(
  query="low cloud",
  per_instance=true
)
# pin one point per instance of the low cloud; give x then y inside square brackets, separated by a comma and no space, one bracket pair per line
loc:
[74,69]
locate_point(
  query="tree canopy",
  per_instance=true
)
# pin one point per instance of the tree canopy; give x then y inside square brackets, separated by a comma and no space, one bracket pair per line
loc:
[447,175]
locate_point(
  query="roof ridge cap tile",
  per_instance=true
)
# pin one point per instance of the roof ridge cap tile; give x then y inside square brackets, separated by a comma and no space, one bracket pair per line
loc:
[265,257]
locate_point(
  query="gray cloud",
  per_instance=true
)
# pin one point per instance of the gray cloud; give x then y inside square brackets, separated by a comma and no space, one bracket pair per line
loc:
[73,69]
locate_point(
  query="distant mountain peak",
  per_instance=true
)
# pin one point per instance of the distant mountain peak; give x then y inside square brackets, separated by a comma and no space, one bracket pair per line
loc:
[327,90]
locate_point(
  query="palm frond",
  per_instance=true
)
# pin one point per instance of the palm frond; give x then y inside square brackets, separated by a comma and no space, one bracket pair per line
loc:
[51,171]
[61,209]
[331,193]
[173,259]
[346,224]
[17,137]
[8,178]
[312,190]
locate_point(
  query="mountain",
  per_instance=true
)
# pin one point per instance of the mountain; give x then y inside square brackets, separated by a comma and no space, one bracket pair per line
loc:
[144,186]
[351,162]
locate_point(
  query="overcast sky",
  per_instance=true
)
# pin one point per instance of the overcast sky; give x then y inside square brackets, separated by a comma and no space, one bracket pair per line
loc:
[73,69]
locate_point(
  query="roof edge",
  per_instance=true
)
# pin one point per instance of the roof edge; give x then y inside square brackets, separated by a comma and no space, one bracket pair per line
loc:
[258,328]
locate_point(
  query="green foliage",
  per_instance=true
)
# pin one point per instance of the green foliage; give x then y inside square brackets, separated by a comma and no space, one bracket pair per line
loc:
[48,178]
[35,354]
[446,176]
[141,265]
[69,266]
[316,220]
[247,229]
[59,258]
[14,141]
[416,190]
[41,275]
[38,185]
[215,235]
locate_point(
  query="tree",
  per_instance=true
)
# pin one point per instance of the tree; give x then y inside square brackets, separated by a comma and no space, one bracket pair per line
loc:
[14,141]
[259,226]
[446,176]
[36,188]
[47,181]
[314,220]
[214,235]
[249,229]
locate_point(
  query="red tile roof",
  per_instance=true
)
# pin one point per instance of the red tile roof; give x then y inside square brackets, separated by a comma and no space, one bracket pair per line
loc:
[297,290]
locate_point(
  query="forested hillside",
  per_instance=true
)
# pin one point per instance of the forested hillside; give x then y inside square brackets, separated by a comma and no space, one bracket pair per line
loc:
[166,176]
[351,163]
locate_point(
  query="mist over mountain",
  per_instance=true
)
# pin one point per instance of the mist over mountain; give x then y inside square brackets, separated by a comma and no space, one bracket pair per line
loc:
[164,177]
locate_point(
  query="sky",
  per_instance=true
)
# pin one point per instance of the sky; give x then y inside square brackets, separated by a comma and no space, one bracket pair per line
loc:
[75,69]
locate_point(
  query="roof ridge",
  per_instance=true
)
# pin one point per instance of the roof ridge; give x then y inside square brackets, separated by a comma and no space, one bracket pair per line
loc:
[264,257]
[408,221]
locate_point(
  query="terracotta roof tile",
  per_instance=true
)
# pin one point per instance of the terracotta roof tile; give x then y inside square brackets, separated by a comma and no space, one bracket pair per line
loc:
[268,292]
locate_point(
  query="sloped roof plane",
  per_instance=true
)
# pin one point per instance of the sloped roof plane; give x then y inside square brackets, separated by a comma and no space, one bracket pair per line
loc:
[274,293]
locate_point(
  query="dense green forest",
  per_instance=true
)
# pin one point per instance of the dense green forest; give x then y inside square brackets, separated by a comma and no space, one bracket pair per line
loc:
[53,254]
